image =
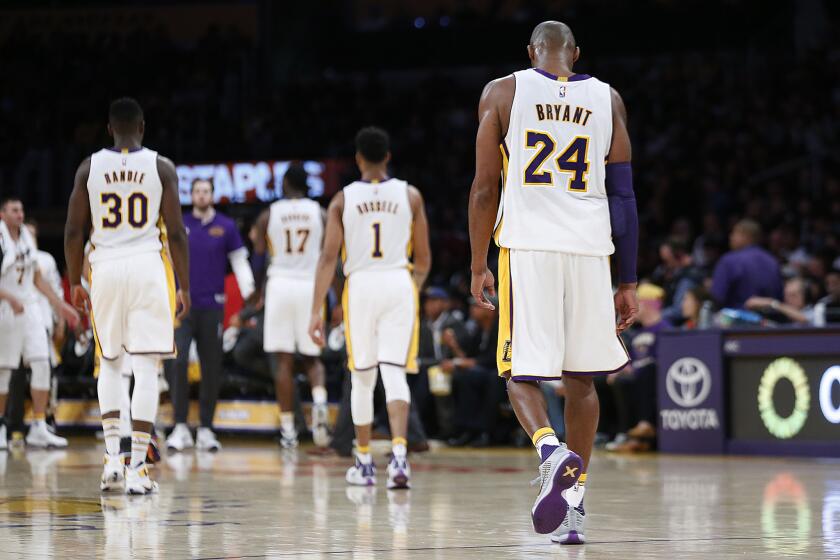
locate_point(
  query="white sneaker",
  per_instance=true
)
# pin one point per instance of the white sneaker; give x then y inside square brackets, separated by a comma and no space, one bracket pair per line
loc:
[571,530]
[320,430]
[180,438]
[288,440]
[137,481]
[113,474]
[399,474]
[361,474]
[205,440]
[4,442]
[40,436]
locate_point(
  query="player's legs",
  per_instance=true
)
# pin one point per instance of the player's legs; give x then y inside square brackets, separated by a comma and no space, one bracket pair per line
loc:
[144,405]
[302,303]
[284,387]
[363,472]
[179,388]
[531,298]
[208,339]
[36,353]
[5,378]
[109,392]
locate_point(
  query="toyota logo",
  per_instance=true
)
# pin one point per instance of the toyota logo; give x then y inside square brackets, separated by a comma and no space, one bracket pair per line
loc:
[688,382]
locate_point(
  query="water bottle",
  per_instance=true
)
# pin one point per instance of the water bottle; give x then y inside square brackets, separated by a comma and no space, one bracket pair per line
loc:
[704,321]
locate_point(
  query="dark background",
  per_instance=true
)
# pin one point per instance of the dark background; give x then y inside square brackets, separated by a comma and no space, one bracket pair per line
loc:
[734,105]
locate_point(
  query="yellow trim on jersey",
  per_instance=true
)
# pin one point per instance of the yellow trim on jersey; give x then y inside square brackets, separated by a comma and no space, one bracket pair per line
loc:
[345,306]
[414,346]
[504,350]
[170,281]
[498,232]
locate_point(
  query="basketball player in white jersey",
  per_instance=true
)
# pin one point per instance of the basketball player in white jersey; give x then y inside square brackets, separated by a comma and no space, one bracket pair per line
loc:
[560,142]
[124,193]
[23,331]
[375,223]
[293,231]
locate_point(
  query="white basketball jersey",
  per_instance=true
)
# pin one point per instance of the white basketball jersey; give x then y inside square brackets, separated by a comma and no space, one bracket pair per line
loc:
[19,262]
[125,193]
[377,226]
[294,236]
[554,155]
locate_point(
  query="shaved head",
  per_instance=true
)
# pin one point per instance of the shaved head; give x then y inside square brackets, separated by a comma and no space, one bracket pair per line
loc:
[553,36]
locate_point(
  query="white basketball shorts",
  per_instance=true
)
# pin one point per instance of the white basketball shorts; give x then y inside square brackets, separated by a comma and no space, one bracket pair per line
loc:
[133,300]
[381,322]
[22,337]
[288,309]
[556,316]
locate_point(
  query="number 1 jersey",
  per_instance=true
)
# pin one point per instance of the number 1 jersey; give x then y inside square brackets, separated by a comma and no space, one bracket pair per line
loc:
[125,192]
[554,155]
[377,226]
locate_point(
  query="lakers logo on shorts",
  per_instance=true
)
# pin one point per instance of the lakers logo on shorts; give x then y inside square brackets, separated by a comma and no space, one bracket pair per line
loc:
[506,351]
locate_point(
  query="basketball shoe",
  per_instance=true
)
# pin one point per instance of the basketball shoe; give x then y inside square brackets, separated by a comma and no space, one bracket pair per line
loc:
[558,472]
[320,433]
[137,481]
[361,474]
[206,440]
[113,474]
[571,530]
[288,440]
[180,438]
[40,436]
[4,443]
[399,474]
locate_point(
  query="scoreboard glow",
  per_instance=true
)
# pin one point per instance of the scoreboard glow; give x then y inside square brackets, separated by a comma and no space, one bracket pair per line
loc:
[247,181]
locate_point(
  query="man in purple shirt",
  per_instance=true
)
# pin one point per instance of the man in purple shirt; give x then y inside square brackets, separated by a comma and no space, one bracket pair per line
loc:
[214,240]
[747,270]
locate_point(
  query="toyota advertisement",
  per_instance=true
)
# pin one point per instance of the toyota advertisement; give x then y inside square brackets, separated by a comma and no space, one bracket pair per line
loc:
[753,392]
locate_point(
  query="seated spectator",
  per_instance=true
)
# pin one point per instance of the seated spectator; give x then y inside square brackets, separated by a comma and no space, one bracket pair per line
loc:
[677,275]
[794,309]
[827,309]
[747,270]
[692,307]
[477,389]
[635,386]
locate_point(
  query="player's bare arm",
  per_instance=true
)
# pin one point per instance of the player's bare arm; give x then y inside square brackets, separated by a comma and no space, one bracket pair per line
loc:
[170,209]
[333,238]
[493,115]
[260,248]
[61,307]
[77,226]
[17,306]
[623,214]
[420,238]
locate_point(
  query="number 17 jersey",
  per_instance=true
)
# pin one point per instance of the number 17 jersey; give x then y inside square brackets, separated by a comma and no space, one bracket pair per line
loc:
[558,138]
[125,192]
[377,223]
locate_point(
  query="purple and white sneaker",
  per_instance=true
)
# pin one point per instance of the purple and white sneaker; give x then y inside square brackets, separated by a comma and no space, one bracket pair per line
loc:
[571,530]
[399,474]
[558,472]
[361,474]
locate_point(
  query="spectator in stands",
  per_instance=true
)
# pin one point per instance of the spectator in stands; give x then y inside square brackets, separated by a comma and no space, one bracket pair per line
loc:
[477,389]
[677,275]
[692,305]
[747,270]
[828,308]
[635,386]
[794,308]
[437,319]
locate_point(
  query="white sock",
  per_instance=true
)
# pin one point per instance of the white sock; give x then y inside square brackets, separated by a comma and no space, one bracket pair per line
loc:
[319,395]
[287,423]
[139,447]
[111,430]
[364,457]
[400,451]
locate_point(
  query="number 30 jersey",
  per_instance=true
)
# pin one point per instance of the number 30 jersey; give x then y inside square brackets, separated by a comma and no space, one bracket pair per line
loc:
[125,191]
[295,233]
[377,226]
[553,156]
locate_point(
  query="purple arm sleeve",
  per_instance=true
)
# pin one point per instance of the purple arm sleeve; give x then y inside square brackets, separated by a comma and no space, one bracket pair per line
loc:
[624,219]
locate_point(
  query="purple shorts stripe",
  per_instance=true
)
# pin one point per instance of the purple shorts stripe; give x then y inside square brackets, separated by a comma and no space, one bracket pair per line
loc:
[566,372]
[519,378]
